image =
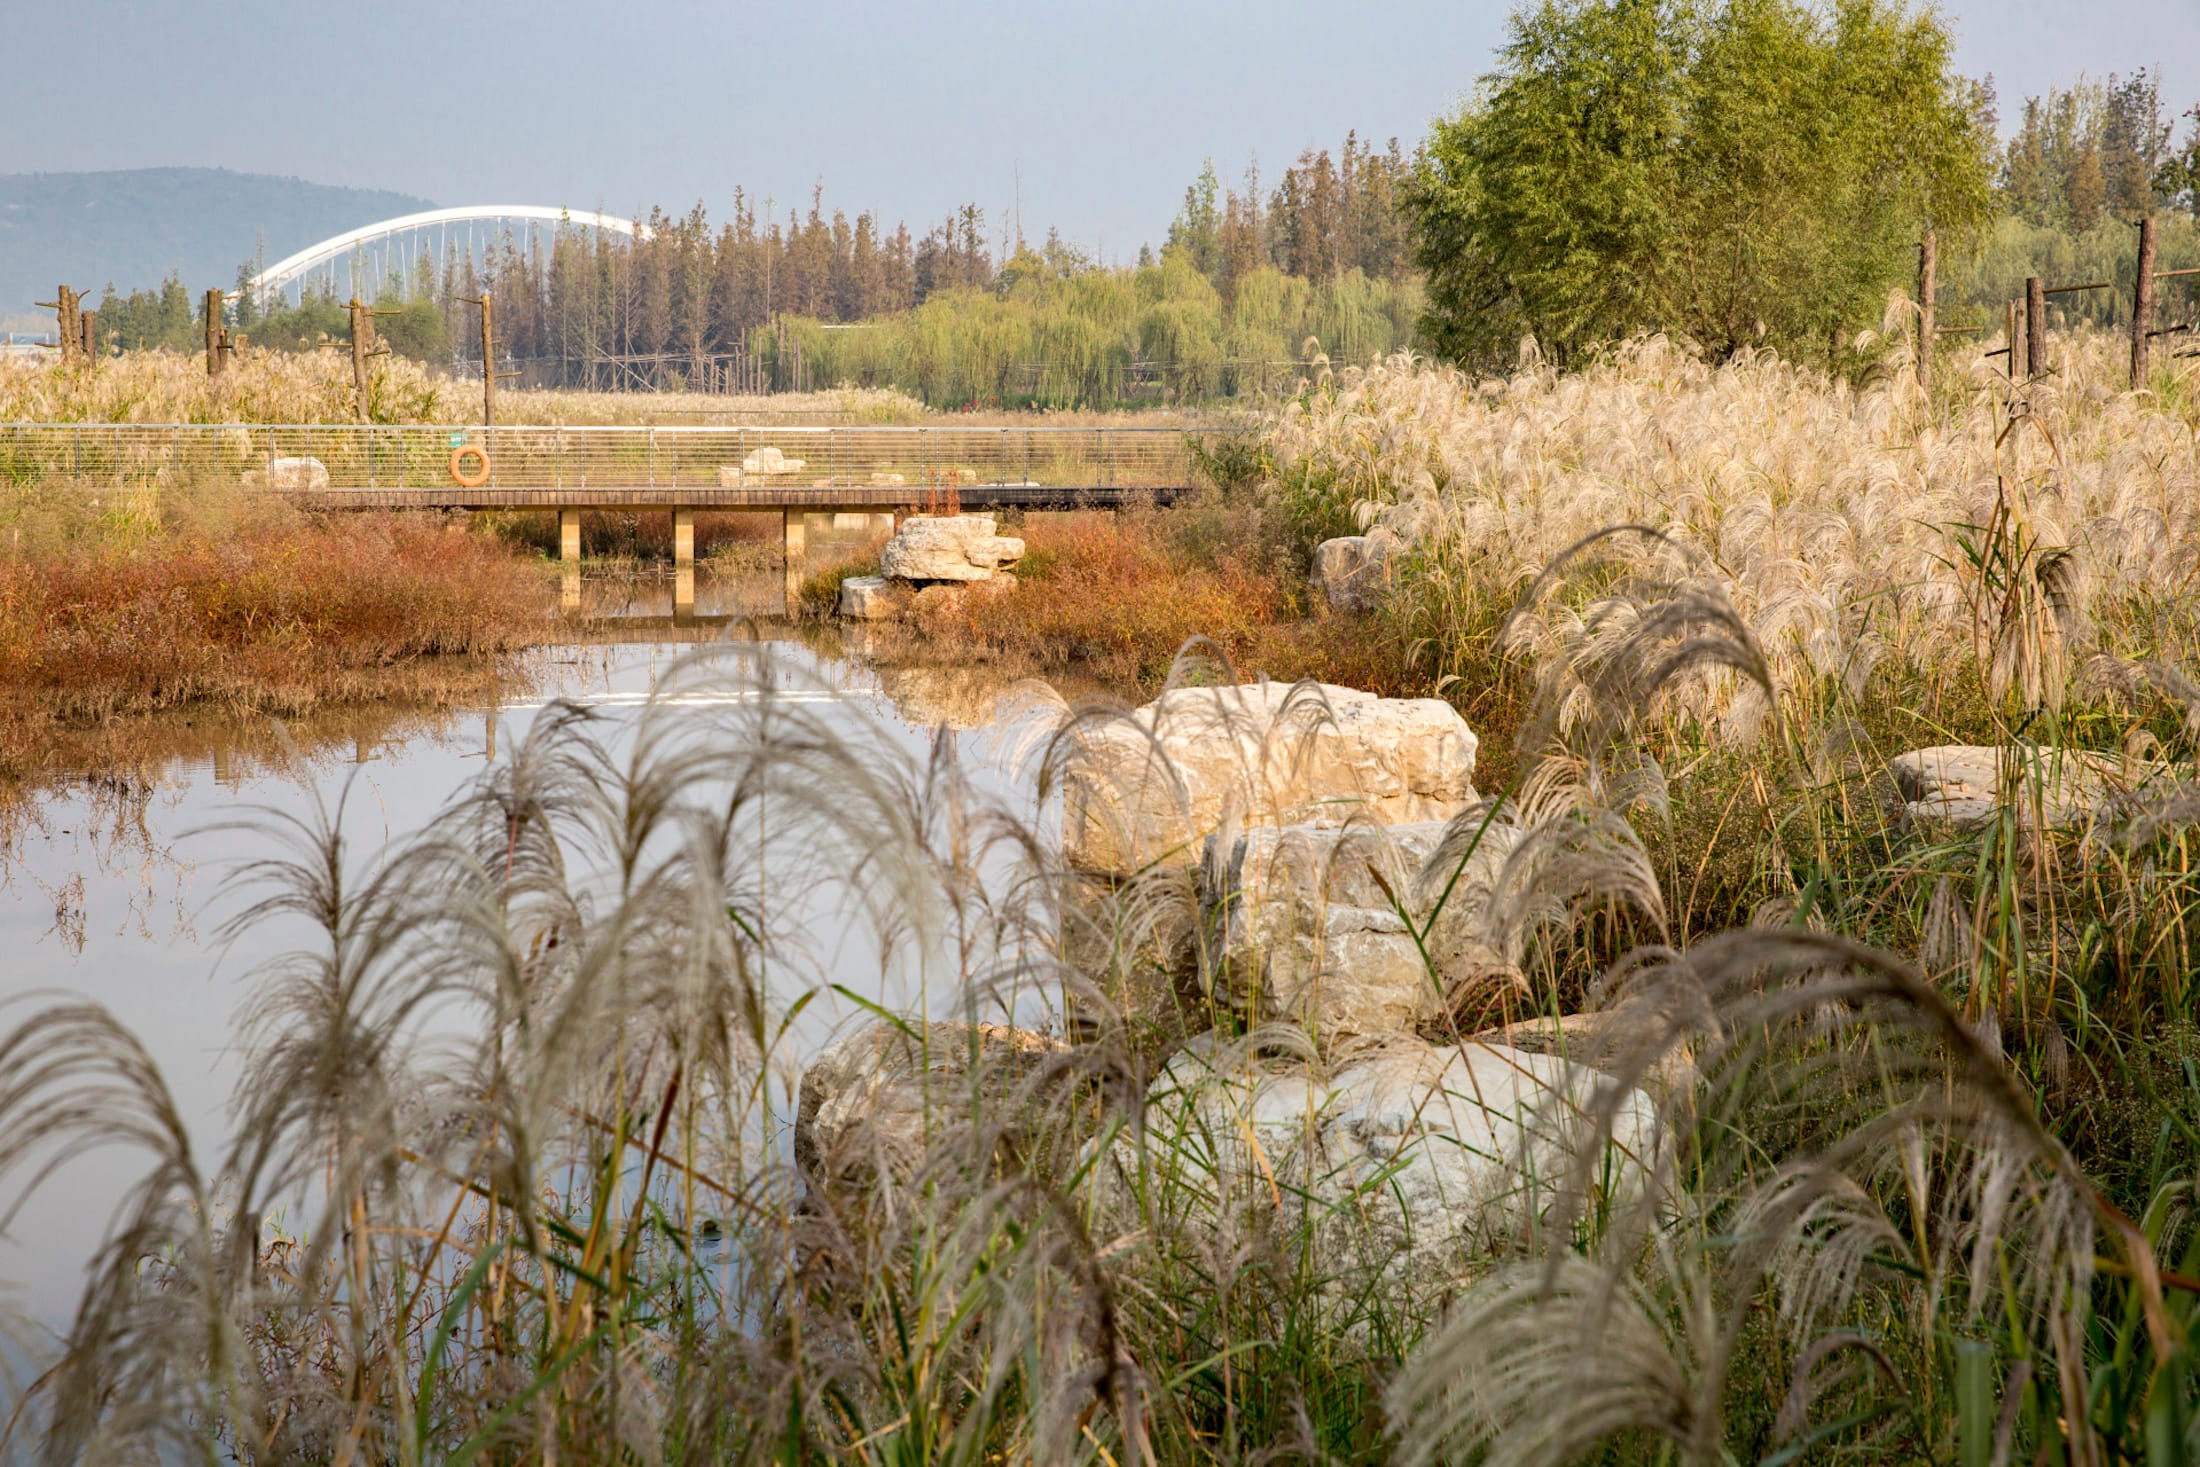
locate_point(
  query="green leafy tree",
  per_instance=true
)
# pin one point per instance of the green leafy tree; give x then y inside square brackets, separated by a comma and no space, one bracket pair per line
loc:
[1727,170]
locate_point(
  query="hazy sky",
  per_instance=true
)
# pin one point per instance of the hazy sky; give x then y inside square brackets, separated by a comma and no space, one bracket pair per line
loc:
[1104,110]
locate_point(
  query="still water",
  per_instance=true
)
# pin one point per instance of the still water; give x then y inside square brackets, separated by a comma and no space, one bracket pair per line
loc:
[115,889]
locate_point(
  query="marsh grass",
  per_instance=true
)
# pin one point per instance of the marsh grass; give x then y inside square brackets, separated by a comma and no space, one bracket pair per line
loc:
[523,1085]
[159,601]
[518,1096]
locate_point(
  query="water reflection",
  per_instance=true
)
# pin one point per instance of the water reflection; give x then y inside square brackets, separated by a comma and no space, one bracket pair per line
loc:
[111,889]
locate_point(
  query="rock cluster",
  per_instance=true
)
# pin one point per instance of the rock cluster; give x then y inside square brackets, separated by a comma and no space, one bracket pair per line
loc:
[289,473]
[765,463]
[927,551]
[1331,845]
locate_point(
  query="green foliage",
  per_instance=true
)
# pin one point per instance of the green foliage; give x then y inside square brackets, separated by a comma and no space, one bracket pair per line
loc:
[1977,287]
[2096,151]
[1061,333]
[1727,170]
[151,318]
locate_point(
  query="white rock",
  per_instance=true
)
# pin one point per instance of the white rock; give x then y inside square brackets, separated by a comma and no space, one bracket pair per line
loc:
[294,474]
[730,476]
[869,598]
[1151,787]
[948,548]
[871,1104]
[768,460]
[1351,571]
[1960,785]
[1409,1164]
[883,480]
[1312,931]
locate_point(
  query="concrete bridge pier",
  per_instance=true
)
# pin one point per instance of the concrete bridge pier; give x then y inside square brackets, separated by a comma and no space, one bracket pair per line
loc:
[569,554]
[795,537]
[683,562]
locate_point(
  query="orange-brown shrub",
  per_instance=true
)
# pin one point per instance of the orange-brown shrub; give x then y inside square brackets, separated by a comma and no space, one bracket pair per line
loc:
[271,614]
[1114,595]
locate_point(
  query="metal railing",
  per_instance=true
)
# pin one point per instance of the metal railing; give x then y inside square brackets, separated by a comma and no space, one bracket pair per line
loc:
[374,457]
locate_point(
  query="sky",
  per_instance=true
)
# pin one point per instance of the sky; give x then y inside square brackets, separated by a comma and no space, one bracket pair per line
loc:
[1093,116]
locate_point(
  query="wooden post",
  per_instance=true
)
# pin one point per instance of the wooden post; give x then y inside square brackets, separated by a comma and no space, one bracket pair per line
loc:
[1927,264]
[2035,327]
[217,336]
[64,305]
[88,348]
[362,347]
[488,364]
[2142,305]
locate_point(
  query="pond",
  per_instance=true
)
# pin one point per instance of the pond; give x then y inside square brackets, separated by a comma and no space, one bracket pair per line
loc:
[117,887]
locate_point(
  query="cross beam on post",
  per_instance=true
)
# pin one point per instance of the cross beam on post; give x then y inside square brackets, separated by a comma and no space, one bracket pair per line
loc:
[67,306]
[489,373]
[218,346]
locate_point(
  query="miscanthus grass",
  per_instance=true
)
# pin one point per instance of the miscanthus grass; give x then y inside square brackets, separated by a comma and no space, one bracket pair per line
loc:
[518,1095]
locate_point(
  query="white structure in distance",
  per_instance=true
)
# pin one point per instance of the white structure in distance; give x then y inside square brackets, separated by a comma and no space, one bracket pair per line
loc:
[369,255]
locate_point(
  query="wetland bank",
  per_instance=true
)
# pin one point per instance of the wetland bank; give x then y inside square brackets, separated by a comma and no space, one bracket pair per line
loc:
[1617,886]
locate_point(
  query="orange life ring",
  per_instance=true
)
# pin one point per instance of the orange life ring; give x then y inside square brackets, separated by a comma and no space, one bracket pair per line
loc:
[480,476]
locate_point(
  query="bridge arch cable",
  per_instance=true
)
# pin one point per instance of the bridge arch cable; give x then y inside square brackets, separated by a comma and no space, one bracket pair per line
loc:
[366,252]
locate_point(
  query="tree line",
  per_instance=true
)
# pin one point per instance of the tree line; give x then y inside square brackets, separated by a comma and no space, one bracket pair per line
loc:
[1740,173]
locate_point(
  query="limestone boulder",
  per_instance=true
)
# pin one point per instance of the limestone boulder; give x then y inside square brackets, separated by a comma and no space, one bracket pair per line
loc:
[871,1105]
[1407,1165]
[290,474]
[1351,572]
[1150,787]
[1315,922]
[1962,786]
[872,598]
[768,461]
[963,547]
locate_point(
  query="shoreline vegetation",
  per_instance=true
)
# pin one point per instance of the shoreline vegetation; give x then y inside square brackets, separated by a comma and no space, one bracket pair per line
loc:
[1955,1063]
[1691,956]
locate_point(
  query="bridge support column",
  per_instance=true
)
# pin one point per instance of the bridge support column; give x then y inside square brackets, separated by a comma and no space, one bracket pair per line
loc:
[569,554]
[683,562]
[796,538]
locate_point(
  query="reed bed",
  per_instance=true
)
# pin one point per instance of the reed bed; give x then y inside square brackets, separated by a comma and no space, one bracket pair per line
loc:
[1886,1141]
[519,1096]
[151,605]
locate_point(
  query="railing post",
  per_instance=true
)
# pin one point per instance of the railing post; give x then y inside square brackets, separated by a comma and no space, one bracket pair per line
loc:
[652,457]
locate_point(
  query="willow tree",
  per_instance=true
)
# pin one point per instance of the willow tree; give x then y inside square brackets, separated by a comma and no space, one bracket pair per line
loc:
[1731,171]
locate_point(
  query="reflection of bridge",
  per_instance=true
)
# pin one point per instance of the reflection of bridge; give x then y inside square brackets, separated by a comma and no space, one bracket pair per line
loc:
[795,472]
[371,254]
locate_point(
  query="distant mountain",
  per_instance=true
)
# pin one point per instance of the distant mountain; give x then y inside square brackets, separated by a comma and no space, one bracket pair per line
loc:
[133,226]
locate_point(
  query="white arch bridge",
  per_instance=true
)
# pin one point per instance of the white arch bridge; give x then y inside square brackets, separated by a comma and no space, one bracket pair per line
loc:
[367,260]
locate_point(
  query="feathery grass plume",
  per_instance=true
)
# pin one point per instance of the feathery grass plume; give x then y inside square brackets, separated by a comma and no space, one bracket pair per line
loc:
[1833,518]
[1845,1149]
